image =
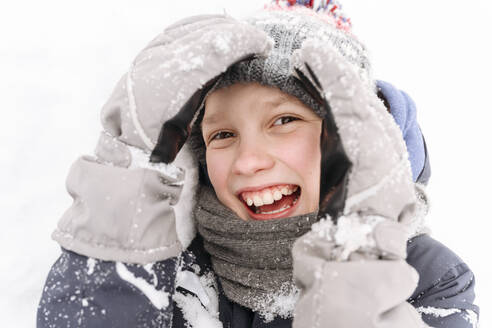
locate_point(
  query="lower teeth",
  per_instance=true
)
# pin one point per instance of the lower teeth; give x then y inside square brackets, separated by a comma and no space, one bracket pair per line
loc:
[257,210]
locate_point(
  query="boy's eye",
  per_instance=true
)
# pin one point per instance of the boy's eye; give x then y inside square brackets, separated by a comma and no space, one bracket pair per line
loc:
[226,134]
[284,120]
[222,135]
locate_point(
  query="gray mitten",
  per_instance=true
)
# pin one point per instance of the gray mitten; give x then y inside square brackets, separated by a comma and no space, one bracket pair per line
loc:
[353,273]
[125,208]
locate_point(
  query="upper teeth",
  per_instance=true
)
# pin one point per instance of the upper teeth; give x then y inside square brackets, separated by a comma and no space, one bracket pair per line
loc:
[267,195]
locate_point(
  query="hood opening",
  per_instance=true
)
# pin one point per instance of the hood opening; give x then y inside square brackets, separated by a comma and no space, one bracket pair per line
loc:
[335,164]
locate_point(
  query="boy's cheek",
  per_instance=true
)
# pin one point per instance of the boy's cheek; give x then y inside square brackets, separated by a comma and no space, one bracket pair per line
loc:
[217,170]
[300,152]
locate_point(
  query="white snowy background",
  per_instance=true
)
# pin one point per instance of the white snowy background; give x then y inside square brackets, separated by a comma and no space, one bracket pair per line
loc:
[59,61]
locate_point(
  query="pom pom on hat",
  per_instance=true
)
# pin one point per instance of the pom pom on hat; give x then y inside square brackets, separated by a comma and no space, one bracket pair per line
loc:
[330,10]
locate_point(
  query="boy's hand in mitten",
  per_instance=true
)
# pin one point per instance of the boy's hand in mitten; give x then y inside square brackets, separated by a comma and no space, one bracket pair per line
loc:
[125,208]
[351,267]
[354,274]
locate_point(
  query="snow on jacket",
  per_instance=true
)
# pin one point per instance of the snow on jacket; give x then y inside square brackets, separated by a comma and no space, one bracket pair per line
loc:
[86,292]
[131,256]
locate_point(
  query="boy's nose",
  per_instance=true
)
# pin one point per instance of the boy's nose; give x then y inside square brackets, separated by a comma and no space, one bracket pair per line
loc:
[251,159]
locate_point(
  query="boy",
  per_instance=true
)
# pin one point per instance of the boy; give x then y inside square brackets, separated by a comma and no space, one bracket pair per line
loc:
[269,138]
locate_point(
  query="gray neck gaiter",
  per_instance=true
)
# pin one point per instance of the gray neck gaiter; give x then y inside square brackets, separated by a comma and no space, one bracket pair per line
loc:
[252,259]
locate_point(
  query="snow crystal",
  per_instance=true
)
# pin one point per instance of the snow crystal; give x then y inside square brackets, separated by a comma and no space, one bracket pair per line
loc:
[132,106]
[194,312]
[282,305]
[141,159]
[204,287]
[221,44]
[280,302]
[159,298]
[323,228]
[191,282]
[351,233]
[191,64]
[210,285]
[471,317]
[196,268]
[437,312]
[91,263]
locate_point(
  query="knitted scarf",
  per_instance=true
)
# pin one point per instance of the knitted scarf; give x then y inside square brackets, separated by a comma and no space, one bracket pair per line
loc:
[252,259]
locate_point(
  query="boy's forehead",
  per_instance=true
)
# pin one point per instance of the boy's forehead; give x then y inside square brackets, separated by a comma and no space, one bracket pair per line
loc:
[216,115]
[222,103]
[211,119]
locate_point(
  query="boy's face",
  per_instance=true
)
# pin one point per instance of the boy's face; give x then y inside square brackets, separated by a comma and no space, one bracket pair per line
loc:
[263,149]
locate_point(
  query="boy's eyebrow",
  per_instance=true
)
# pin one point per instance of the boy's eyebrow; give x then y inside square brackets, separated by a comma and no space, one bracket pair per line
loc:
[269,104]
[276,102]
[211,119]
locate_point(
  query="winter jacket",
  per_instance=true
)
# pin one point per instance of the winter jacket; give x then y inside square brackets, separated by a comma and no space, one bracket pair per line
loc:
[86,292]
[130,253]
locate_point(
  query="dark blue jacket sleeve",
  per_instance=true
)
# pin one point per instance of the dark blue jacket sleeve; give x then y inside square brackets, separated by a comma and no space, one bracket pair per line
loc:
[85,292]
[445,293]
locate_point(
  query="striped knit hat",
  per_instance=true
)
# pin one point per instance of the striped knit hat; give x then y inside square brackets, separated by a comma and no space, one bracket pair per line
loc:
[289,23]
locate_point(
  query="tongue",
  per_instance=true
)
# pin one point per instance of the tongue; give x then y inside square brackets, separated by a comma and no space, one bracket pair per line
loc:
[278,204]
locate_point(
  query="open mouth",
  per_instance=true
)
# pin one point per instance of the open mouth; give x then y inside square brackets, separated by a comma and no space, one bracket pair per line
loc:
[272,202]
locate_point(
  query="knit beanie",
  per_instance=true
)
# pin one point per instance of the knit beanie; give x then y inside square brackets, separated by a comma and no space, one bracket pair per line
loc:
[289,24]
